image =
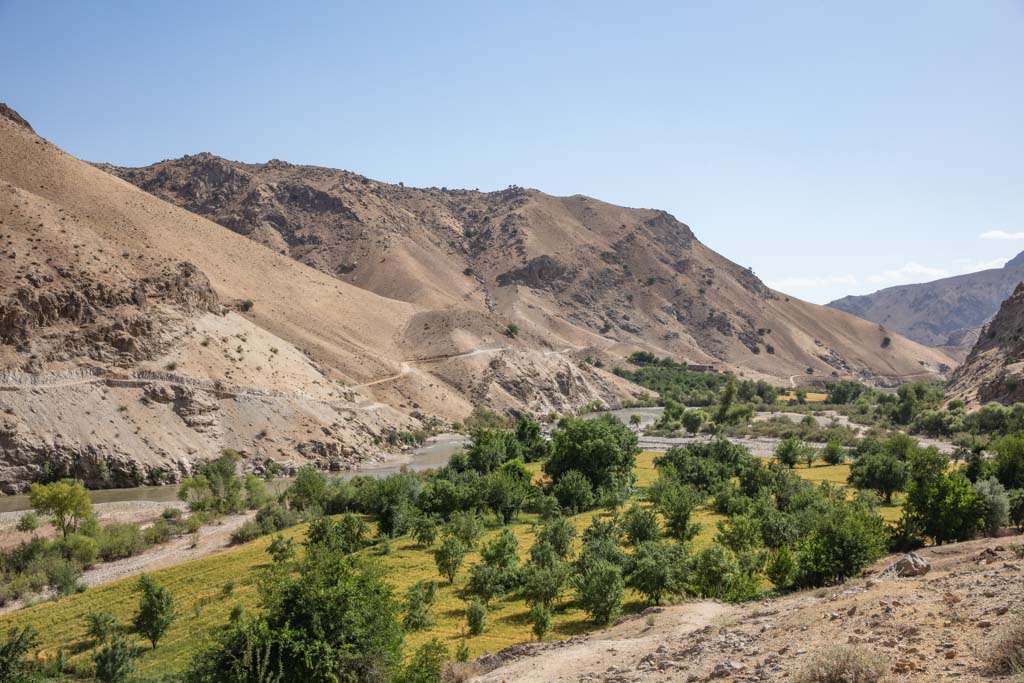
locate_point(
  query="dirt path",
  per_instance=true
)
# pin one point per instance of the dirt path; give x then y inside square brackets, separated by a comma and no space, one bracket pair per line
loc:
[212,539]
[612,651]
[406,367]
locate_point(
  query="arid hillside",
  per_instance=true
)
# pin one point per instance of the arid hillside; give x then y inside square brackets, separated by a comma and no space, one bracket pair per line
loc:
[137,338]
[951,623]
[569,271]
[948,312]
[994,370]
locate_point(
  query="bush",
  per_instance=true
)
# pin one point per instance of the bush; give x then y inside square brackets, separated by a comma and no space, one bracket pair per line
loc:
[156,533]
[844,540]
[717,573]
[28,522]
[844,664]
[426,664]
[654,570]
[249,531]
[80,549]
[476,617]
[541,618]
[119,540]
[115,661]
[65,577]
[100,625]
[281,549]
[418,600]
[14,665]
[781,568]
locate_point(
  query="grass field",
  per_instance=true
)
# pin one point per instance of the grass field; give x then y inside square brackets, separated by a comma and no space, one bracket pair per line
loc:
[812,396]
[206,590]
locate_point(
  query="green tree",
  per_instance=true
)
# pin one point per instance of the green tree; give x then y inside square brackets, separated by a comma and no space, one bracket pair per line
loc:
[334,619]
[677,504]
[997,505]
[1008,463]
[559,532]
[419,598]
[879,472]
[14,666]
[476,617]
[693,420]
[308,491]
[833,453]
[843,541]
[604,450]
[115,661]
[599,591]
[790,451]
[425,530]
[426,664]
[492,447]
[640,525]
[281,549]
[941,505]
[540,616]
[508,490]
[574,492]
[67,500]
[449,557]
[156,610]
[1016,501]
[28,522]
[653,570]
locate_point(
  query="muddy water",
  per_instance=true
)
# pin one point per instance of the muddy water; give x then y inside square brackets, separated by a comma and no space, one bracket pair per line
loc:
[432,454]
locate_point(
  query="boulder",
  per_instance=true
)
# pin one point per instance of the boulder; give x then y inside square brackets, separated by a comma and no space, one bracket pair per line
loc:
[909,565]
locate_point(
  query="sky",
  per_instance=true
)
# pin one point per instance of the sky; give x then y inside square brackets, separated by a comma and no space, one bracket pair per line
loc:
[835,148]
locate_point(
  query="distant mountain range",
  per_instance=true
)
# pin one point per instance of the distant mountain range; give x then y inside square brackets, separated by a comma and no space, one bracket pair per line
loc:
[949,312]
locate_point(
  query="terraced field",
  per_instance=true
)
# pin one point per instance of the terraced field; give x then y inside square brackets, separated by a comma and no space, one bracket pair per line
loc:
[205,591]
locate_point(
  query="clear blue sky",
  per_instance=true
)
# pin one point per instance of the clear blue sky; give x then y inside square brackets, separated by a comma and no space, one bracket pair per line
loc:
[833,147]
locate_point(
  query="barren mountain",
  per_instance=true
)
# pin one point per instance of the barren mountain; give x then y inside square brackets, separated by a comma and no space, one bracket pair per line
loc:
[137,338]
[948,312]
[569,271]
[994,370]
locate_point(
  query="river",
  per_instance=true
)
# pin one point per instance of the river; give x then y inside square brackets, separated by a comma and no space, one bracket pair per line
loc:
[434,453]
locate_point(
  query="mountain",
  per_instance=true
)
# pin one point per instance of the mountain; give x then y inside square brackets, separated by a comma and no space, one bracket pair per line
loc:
[570,272]
[947,312]
[137,338]
[994,370]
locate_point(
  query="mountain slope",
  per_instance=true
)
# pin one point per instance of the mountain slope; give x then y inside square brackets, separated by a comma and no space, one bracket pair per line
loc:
[569,271]
[137,338]
[994,370]
[946,312]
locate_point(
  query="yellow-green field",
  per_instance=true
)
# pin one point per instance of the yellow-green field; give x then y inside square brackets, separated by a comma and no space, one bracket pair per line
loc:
[812,396]
[203,604]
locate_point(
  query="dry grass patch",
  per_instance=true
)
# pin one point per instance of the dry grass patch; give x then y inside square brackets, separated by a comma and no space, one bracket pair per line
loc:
[1007,650]
[844,664]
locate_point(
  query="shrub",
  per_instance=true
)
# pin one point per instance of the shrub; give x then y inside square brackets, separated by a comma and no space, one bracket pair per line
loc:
[119,540]
[14,665]
[80,549]
[541,618]
[65,577]
[273,517]
[465,527]
[654,570]
[418,600]
[476,617]
[249,531]
[844,540]
[100,625]
[28,522]
[281,549]
[599,590]
[781,568]
[559,534]
[425,531]
[171,514]
[426,665]
[997,505]
[844,664]
[115,661]
[156,533]
[511,330]
[717,573]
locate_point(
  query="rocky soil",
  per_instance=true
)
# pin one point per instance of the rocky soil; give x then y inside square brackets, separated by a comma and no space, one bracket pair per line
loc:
[939,625]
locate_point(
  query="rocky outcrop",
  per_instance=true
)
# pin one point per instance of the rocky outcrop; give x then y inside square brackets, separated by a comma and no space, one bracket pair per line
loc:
[994,370]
